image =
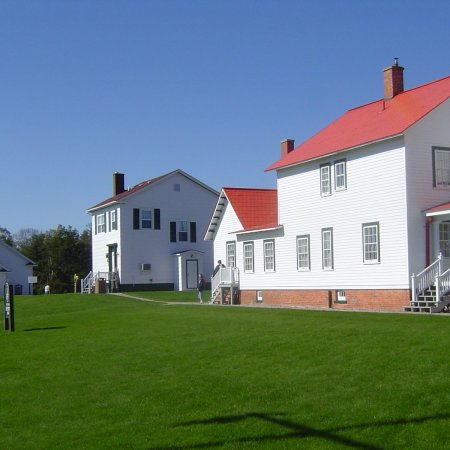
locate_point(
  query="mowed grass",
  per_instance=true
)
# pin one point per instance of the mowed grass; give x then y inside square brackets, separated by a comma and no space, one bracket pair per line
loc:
[105,372]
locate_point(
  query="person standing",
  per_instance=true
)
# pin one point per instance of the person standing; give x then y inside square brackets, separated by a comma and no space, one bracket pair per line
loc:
[200,287]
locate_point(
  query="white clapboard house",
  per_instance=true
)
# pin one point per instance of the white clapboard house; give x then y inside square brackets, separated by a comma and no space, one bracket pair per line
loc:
[16,269]
[150,236]
[362,212]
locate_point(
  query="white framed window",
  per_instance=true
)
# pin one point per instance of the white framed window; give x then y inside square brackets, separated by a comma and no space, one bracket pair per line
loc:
[325,179]
[146,218]
[327,249]
[444,239]
[113,219]
[340,175]
[101,223]
[248,257]
[371,242]
[231,254]
[441,167]
[269,255]
[303,256]
[183,233]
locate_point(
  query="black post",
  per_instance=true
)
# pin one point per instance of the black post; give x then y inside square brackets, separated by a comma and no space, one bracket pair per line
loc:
[8,304]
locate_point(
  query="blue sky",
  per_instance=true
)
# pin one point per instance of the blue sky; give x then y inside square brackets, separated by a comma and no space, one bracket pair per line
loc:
[90,87]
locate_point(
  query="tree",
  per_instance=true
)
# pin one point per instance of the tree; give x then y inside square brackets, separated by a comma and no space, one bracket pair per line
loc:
[59,254]
[23,236]
[6,237]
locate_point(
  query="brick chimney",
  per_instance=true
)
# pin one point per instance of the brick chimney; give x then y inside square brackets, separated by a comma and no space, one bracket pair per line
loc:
[286,147]
[393,80]
[118,183]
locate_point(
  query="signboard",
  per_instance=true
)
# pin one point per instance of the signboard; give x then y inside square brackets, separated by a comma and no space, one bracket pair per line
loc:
[8,303]
[32,280]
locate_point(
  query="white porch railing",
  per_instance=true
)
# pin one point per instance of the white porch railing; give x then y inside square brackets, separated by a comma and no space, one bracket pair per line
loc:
[422,281]
[442,285]
[88,283]
[225,277]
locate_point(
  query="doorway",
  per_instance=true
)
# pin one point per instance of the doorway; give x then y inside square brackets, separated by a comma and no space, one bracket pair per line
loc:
[191,273]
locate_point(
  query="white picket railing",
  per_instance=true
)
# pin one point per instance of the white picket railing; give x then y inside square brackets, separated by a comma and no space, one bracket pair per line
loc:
[226,276]
[442,285]
[422,281]
[88,283]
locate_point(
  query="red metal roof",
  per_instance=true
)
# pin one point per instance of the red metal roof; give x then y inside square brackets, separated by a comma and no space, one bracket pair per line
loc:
[438,208]
[255,208]
[369,123]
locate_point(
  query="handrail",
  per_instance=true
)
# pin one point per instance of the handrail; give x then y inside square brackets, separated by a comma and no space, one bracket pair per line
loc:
[224,276]
[442,285]
[426,278]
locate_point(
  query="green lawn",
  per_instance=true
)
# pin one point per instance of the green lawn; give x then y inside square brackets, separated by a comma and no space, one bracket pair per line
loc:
[104,372]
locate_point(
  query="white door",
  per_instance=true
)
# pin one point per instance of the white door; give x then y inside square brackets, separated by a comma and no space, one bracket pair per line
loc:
[191,273]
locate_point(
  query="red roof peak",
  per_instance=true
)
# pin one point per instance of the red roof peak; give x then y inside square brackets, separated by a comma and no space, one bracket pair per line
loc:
[371,122]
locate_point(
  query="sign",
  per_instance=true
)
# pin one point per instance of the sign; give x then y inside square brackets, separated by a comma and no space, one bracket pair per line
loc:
[8,303]
[32,280]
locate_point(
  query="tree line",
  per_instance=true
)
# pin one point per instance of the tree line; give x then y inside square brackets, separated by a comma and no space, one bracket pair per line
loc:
[59,254]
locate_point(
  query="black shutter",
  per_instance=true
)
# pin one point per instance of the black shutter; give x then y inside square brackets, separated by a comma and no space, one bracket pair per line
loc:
[157,214]
[173,232]
[95,224]
[193,232]
[135,218]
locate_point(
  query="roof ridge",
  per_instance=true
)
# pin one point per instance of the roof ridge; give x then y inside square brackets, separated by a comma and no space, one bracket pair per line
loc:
[401,93]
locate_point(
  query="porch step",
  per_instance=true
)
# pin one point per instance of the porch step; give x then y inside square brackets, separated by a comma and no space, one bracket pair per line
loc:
[417,309]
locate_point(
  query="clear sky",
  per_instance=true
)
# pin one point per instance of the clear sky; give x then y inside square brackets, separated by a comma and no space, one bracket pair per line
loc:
[91,87]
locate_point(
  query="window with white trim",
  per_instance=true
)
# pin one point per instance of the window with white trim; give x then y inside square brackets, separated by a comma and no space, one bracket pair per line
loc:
[340,175]
[269,255]
[441,167]
[325,179]
[371,243]
[101,223]
[113,219]
[231,254]
[444,239]
[146,218]
[182,230]
[248,257]
[327,249]
[303,258]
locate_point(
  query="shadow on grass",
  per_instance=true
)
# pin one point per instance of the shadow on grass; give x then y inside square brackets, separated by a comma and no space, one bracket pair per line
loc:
[44,329]
[296,430]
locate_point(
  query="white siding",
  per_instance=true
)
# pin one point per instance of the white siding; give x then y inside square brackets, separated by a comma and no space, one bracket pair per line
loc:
[192,203]
[228,224]
[432,130]
[375,193]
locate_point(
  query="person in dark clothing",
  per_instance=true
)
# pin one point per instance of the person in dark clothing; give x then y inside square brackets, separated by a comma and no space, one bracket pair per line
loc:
[200,287]
[219,266]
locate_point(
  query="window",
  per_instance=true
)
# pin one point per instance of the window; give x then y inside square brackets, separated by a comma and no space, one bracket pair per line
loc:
[143,218]
[231,254]
[303,259]
[371,243]
[248,256]
[441,166]
[101,223]
[444,239]
[327,249]
[177,187]
[340,175]
[113,220]
[146,218]
[269,256]
[183,231]
[325,179]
